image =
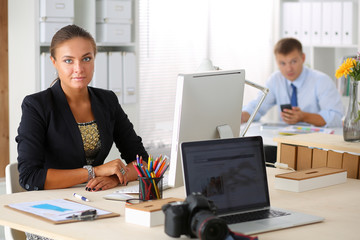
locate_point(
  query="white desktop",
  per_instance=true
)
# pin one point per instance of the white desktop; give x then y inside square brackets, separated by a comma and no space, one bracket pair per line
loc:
[208,105]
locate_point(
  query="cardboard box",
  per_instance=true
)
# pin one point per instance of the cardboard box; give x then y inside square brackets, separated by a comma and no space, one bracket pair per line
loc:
[319,158]
[300,181]
[148,213]
[113,10]
[56,9]
[113,33]
[334,159]
[351,164]
[304,158]
[48,29]
[288,155]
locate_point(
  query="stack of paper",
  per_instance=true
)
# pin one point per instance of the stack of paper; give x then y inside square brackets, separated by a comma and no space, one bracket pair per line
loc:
[294,129]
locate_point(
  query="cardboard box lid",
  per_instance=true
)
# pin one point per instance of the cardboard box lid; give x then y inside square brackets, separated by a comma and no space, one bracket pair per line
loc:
[153,205]
[310,173]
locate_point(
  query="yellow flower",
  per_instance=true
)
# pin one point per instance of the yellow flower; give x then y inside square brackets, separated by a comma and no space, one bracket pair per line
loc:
[345,68]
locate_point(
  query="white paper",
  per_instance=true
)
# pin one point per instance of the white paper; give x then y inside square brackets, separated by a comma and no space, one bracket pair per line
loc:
[55,210]
[298,129]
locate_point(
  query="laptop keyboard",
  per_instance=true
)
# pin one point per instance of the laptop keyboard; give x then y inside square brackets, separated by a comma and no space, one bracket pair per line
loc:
[252,216]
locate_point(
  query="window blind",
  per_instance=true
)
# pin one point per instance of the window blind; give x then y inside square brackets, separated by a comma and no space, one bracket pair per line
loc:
[171,41]
[176,35]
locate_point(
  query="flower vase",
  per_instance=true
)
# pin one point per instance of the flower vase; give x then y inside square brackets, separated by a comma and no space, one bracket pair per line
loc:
[351,128]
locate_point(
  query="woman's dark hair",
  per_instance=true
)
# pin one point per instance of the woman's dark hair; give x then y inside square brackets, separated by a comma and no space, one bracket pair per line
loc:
[67,33]
[287,45]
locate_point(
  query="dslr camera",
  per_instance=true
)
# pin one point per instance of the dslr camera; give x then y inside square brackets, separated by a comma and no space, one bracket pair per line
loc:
[195,217]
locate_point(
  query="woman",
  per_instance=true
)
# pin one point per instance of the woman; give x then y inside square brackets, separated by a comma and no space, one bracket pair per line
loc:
[67,131]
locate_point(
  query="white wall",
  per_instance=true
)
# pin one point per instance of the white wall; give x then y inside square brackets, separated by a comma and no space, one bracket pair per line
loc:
[22,64]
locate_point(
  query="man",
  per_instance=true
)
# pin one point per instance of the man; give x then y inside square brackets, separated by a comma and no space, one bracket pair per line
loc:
[312,94]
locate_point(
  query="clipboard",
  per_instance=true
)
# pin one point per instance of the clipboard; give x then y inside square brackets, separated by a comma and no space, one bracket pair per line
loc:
[59,211]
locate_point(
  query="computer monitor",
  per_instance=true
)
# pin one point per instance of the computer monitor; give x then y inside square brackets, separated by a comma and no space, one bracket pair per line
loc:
[204,103]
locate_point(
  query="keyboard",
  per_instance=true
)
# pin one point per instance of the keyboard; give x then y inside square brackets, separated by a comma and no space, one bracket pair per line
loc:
[252,216]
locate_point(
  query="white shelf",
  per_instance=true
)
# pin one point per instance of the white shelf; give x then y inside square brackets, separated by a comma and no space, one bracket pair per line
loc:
[324,57]
[331,46]
[101,44]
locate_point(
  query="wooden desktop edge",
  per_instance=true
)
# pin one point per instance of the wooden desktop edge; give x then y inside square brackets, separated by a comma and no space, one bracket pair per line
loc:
[336,222]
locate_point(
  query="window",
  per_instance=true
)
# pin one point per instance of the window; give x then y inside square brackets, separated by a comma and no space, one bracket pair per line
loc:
[176,35]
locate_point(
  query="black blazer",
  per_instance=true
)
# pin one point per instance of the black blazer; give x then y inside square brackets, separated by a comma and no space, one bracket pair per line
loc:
[49,137]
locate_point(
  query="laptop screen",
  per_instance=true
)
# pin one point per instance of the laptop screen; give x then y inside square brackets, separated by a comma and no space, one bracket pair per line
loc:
[230,172]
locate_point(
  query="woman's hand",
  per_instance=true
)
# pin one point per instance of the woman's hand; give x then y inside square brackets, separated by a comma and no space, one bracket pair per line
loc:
[102,183]
[132,173]
[115,167]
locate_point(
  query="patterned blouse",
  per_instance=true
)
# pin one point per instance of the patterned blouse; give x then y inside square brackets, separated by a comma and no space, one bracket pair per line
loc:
[91,140]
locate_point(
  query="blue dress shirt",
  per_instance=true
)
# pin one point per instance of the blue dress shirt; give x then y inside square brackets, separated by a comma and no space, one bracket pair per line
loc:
[316,93]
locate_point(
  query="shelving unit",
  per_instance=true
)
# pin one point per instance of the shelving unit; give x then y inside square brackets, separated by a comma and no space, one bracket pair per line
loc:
[324,57]
[115,41]
[25,50]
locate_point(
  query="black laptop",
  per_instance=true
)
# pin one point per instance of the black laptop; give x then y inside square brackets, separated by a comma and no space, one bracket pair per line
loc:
[232,173]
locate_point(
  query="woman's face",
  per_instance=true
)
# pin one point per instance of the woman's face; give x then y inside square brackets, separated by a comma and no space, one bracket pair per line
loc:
[74,61]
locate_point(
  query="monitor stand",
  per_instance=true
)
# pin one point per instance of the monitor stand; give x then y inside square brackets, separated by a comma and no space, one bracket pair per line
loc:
[225,131]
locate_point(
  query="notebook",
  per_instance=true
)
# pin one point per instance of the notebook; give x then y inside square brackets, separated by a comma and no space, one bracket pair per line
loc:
[231,172]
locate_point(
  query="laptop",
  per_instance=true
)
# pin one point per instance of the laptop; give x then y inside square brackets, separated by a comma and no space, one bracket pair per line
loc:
[232,173]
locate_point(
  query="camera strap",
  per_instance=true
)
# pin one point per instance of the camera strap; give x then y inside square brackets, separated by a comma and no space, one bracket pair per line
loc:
[239,236]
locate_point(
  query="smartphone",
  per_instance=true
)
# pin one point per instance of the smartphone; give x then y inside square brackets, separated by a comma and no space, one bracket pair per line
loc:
[285,106]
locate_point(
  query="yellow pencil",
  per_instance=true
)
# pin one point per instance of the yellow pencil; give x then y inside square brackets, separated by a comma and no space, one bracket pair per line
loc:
[149,160]
[155,186]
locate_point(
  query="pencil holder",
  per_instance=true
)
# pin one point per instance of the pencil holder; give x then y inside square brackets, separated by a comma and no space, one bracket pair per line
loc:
[150,188]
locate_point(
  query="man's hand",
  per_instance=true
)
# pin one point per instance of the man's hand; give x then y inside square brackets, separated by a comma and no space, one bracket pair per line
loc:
[245,117]
[295,115]
[292,116]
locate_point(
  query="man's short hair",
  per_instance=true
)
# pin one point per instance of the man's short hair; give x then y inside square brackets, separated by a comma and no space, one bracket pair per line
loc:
[287,45]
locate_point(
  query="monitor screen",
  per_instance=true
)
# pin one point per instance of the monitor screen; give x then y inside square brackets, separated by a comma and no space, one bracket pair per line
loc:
[204,101]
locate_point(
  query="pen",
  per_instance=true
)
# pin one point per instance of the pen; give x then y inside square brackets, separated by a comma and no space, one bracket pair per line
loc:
[81,197]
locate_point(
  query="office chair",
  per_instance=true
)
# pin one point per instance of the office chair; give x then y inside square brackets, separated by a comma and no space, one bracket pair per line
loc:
[12,186]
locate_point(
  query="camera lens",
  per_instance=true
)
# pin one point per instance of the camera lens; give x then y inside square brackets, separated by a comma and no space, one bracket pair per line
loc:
[206,226]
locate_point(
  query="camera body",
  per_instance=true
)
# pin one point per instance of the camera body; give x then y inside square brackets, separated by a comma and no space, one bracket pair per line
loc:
[195,217]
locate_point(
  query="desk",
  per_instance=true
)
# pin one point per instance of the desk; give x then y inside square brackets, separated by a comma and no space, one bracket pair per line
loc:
[268,134]
[338,204]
